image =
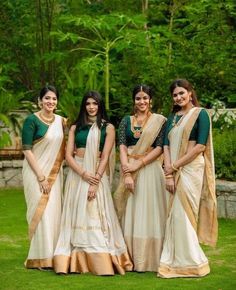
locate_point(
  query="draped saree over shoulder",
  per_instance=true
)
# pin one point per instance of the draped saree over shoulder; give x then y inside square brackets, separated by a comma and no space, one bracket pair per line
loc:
[44,211]
[90,237]
[143,213]
[193,212]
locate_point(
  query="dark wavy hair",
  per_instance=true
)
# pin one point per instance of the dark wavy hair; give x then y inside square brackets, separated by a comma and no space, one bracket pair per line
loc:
[46,89]
[82,118]
[189,87]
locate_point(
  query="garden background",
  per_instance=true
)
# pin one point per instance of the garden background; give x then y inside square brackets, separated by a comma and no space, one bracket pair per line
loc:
[110,46]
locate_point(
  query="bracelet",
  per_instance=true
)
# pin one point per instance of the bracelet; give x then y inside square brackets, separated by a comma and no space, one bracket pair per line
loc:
[173,167]
[83,173]
[99,174]
[127,174]
[42,179]
[169,176]
[143,163]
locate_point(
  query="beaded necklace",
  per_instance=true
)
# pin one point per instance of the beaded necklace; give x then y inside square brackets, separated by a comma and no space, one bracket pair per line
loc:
[137,132]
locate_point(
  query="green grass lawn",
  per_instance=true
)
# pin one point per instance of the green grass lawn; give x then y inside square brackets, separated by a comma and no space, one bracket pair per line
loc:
[14,247]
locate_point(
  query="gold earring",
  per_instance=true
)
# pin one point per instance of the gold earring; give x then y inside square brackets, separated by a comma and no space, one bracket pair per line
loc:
[40,104]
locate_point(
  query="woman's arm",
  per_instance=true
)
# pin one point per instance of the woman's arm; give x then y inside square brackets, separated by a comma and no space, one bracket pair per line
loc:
[87,176]
[109,143]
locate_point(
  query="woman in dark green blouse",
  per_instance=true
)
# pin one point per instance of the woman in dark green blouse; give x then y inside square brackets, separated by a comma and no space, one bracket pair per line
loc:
[44,148]
[90,238]
[189,173]
[141,198]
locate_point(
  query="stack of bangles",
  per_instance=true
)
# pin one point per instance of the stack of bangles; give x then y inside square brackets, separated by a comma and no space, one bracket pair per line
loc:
[169,176]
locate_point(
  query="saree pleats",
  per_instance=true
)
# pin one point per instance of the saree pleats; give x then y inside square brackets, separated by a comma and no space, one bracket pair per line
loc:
[45,234]
[90,237]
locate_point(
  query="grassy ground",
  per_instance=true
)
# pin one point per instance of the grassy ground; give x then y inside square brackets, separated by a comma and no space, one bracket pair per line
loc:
[14,246]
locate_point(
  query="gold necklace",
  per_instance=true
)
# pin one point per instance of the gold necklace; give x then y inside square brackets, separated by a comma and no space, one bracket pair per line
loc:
[45,119]
[175,122]
[137,132]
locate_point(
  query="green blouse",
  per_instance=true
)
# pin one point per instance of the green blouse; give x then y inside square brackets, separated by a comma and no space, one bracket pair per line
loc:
[33,130]
[200,130]
[82,134]
[126,136]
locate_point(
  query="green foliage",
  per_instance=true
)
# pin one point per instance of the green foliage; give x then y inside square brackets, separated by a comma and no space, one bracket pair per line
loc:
[225,153]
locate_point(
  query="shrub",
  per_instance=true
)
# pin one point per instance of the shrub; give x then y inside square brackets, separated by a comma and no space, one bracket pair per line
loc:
[225,153]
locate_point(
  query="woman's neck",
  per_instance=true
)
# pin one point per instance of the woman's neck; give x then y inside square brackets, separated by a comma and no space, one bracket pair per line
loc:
[185,109]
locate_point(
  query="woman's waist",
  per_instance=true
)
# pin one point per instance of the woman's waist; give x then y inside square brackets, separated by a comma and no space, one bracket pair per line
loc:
[137,155]
[80,152]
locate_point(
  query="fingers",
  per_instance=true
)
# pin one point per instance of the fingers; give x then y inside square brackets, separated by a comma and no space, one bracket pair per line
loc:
[91,195]
[45,188]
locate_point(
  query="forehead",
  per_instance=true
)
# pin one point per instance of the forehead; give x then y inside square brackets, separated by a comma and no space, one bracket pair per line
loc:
[142,95]
[50,94]
[179,89]
[91,100]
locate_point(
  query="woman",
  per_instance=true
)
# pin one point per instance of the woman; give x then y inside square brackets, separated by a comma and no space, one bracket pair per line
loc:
[90,238]
[43,147]
[189,171]
[140,198]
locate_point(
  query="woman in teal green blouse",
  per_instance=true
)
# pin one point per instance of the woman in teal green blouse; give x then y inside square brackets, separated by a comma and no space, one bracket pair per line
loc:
[90,238]
[43,147]
[189,172]
[140,198]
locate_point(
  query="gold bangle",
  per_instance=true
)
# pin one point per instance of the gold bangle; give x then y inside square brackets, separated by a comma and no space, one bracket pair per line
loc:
[173,167]
[169,176]
[127,174]
[143,163]
[42,179]
[99,174]
[82,174]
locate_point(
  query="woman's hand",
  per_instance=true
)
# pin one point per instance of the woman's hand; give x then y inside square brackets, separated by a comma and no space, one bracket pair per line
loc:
[170,185]
[132,167]
[44,187]
[90,178]
[129,183]
[92,192]
[168,169]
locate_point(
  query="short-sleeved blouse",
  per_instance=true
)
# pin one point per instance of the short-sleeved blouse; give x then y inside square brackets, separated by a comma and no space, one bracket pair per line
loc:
[33,130]
[81,136]
[126,136]
[200,130]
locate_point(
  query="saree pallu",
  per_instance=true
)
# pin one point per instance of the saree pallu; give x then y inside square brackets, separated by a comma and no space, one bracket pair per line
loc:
[143,214]
[182,255]
[90,238]
[49,153]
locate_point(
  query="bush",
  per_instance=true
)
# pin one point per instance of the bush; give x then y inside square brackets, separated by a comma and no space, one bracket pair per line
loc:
[225,153]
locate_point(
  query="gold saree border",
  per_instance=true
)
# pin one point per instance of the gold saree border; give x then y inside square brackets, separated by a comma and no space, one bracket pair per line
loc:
[165,271]
[45,197]
[147,138]
[96,263]
[39,263]
[206,224]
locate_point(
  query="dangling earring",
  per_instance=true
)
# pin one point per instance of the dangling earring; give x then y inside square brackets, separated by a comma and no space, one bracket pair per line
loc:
[150,105]
[40,104]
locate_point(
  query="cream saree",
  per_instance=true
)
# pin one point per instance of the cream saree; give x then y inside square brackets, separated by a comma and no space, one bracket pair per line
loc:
[44,211]
[192,217]
[143,214]
[90,236]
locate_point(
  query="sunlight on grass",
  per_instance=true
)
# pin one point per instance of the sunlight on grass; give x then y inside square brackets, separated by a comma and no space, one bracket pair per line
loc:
[14,247]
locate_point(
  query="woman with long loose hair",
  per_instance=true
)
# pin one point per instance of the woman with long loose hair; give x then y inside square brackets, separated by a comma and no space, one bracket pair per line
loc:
[189,172]
[90,238]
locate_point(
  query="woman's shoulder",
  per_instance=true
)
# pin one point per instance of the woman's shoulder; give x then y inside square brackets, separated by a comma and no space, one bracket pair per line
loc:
[32,118]
[109,126]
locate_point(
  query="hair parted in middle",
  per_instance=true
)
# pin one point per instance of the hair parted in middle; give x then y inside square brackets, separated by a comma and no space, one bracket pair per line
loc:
[142,88]
[82,118]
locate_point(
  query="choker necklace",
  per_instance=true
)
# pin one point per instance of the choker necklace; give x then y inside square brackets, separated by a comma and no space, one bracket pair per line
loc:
[137,132]
[45,119]
[177,123]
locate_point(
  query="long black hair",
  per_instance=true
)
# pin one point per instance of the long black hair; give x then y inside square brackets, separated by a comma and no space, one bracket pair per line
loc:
[183,83]
[82,118]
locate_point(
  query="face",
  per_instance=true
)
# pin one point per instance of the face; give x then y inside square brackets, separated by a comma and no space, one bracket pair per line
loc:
[91,107]
[49,101]
[182,97]
[142,102]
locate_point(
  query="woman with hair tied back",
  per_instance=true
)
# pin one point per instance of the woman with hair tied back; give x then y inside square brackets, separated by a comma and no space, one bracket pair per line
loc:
[90,238]
[140,198]
[189,172]
[44,148]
